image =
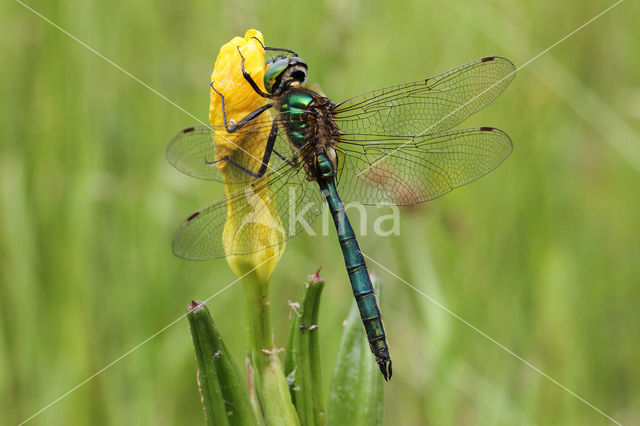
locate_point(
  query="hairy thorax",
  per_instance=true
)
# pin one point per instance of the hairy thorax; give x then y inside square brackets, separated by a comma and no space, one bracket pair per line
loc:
[308,120]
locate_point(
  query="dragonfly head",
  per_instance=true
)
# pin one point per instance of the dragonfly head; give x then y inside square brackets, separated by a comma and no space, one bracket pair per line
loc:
[283,71]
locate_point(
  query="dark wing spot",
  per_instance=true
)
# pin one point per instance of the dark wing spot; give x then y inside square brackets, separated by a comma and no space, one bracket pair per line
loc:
[193,216]
[188,130]
[488,58]
[487,129]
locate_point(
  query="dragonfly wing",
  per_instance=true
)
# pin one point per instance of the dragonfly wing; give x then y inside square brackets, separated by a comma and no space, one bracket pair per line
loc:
[265,213]
[426,106]
[192,151]
[406,171]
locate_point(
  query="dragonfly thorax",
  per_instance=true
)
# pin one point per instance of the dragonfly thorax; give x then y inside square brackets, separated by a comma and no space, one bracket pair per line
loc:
[308,120]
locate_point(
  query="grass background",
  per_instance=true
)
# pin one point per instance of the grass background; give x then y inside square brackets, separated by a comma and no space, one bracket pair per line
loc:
[542,254]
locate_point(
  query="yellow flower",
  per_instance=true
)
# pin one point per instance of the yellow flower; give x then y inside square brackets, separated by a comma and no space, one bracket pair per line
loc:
[240,98]
[244,230]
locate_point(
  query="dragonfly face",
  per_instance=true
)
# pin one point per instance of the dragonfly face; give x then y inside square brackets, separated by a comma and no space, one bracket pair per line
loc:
[284,71]
[391,146]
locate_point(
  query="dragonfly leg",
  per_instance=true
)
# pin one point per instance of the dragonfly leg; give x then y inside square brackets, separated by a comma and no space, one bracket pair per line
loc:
[234,127]
[268,149]
[234,164]
[247,77]
[265,160]
[285,159]
[276,49]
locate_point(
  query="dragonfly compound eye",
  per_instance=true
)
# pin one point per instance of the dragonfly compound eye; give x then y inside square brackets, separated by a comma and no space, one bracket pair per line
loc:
[282,72]
[273,72]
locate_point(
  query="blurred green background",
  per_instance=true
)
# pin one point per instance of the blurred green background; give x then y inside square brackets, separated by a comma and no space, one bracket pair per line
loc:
[542,254]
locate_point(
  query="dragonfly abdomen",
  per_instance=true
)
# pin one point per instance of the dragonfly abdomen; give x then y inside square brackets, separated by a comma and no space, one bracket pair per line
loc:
[356,268]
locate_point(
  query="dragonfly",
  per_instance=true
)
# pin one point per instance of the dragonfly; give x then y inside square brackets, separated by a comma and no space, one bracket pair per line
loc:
[391,146]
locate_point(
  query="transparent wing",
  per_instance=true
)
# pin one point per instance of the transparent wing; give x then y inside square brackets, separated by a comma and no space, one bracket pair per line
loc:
[426,106]
[192,150]
[265,213]
[405,171]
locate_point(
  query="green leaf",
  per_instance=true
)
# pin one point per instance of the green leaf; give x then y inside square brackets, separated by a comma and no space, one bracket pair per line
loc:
[302,364]
[276,401]
[253,393]
[224,393]
[355,397]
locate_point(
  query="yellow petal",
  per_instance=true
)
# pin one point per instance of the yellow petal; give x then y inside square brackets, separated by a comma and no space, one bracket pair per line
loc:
[239,99]
[245,230]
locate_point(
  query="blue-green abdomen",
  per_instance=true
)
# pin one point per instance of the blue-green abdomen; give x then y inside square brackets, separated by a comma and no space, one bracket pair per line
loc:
[356,267]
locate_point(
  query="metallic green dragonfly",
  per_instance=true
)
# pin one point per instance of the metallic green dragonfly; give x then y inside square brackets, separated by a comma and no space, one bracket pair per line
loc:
[387,146]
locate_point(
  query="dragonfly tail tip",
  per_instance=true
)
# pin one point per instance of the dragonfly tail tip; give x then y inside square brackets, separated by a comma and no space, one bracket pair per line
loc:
[385,368]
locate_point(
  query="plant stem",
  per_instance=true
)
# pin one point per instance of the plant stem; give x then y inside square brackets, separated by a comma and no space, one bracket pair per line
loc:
[270,382]
[256,293]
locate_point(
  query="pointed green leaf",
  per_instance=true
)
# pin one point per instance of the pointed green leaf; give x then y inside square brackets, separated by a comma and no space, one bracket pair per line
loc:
[276,402]
[355,397]
[302,364]
[253,393]
[223,391]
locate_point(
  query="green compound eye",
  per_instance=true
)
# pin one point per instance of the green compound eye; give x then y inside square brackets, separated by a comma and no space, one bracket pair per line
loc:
[272,60]
[281,71]
[274,70]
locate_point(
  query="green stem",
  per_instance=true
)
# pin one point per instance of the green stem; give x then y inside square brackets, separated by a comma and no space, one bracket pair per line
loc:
[258,308]
[270,382]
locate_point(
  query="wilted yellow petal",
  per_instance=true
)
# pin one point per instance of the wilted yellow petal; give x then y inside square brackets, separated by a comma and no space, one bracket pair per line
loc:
[259,226]
[240,99]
